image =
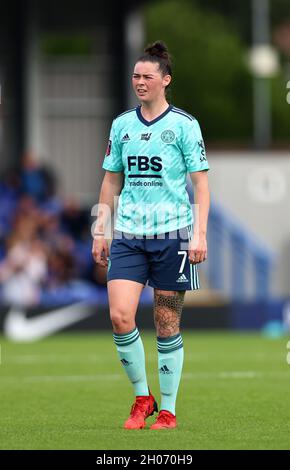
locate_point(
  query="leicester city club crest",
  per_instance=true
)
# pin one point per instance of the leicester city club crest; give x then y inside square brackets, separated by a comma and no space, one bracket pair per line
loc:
[168,136]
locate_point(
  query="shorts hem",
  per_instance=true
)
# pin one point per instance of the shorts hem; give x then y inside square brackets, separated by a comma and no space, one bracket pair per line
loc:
[171,286]
[126,278]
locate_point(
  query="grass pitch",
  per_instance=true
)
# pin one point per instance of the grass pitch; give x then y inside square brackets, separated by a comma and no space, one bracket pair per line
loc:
[70,392]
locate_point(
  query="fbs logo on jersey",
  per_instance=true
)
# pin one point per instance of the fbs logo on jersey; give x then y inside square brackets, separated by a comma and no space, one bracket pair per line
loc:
[109,146]
[146,136]
[126,138]
[144,163]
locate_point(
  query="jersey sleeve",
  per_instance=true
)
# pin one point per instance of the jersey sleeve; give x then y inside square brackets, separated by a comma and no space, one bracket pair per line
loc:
[193,147]
[113,157]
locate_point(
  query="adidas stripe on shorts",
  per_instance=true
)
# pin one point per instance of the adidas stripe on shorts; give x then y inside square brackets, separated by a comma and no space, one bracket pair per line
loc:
[160,260]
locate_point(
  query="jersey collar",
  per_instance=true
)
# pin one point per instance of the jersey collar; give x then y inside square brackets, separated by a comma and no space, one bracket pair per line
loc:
[149,123]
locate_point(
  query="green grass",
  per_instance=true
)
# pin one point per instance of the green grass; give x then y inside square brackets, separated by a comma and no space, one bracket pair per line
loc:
[70,392]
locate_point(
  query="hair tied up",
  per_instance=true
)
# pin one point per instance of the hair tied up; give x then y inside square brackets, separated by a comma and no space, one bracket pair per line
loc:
[157,49]
[159,54]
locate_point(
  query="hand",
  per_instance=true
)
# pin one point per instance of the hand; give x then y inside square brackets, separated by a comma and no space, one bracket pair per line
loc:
[197,250]
[100,251]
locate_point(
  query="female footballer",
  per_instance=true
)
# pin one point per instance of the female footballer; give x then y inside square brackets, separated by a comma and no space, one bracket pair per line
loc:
[151,149]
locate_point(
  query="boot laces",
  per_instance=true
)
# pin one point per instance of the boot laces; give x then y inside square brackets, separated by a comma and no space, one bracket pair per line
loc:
[164,417]
[141,406]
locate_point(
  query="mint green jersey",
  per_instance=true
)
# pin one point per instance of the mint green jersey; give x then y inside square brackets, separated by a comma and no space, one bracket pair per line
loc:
[155,157]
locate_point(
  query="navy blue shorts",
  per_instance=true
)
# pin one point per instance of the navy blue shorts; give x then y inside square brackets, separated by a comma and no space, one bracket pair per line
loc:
[163,262]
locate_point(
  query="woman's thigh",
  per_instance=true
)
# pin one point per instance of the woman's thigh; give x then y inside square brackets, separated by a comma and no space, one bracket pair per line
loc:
[124,296]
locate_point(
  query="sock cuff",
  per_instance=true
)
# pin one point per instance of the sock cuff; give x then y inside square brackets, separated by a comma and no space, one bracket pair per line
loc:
[169,344]
[127,338]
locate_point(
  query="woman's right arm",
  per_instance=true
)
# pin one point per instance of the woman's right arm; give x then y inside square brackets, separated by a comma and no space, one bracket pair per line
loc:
[111,187]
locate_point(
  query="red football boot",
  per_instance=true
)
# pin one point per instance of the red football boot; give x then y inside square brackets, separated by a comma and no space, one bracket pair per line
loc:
[165,420]
[143,407]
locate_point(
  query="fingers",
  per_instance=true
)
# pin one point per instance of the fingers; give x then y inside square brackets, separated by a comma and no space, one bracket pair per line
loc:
[100,252]
[106,251]
[103,262]
[96,252]
[197,256]
[197,252]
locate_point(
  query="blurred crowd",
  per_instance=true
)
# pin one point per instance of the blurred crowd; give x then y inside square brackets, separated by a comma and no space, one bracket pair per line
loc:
[45,242]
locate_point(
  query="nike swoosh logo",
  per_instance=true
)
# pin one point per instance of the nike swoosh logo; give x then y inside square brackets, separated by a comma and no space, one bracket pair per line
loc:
[18,327]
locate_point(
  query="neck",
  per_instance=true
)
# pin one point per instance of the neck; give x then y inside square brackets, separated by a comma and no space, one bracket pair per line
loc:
[154,109]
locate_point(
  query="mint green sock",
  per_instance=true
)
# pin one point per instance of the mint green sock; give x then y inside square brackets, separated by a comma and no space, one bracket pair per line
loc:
[131,353]
[170,361]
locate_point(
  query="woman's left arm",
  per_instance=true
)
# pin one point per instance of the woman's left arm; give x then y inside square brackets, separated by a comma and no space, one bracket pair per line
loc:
[197,252]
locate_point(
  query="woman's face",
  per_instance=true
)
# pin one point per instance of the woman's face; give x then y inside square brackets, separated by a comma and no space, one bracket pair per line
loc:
[148,82]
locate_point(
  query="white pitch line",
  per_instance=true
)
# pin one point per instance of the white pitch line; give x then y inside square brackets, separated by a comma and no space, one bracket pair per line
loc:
[228,375]
[51,359]
[81,358]
[61,378]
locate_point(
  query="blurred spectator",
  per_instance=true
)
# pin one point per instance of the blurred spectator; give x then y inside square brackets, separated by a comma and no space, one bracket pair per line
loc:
[37,180]
[45,243]
[75,220]
[61,267]
[22,273]
[10,188]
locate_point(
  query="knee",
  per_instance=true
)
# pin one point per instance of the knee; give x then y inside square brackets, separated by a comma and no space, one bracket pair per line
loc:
[166,326]
[120,321]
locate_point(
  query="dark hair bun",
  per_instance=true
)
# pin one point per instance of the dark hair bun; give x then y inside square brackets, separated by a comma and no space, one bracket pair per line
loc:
[158,53]
[158,49]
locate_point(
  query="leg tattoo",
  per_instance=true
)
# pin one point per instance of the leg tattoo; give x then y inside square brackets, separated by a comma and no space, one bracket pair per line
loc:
[167,312]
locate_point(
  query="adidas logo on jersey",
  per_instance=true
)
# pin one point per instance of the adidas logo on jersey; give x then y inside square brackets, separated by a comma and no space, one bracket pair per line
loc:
[126,138]
[182,278]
